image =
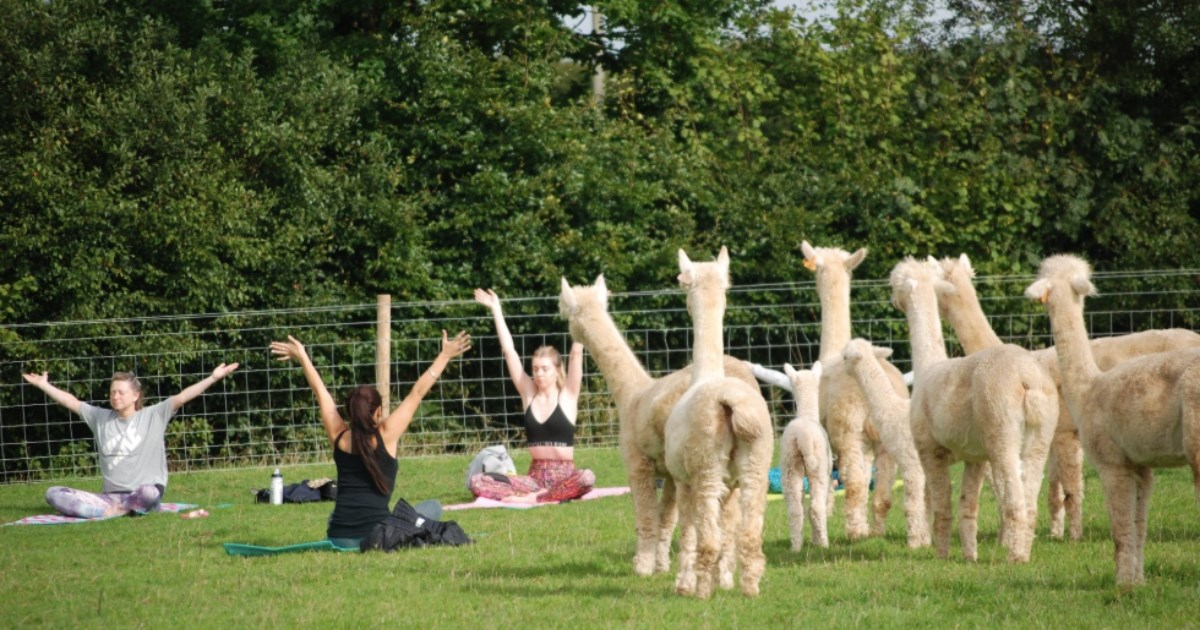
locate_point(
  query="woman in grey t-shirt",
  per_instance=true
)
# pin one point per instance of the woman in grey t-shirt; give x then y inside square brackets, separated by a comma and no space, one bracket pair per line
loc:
[130,441]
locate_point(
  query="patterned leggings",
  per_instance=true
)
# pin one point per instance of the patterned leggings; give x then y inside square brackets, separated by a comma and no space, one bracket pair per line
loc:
[83,504]
[558,477]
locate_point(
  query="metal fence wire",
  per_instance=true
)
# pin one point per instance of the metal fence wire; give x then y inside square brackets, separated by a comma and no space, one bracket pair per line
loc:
[264,413]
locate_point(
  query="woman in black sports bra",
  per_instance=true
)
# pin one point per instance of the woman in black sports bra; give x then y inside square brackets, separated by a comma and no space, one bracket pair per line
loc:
[364,447]
[551,402]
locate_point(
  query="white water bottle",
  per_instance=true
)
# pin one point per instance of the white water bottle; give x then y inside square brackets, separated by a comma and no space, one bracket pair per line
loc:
[277,488]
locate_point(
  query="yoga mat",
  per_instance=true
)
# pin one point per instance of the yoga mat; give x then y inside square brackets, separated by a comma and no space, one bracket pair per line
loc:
[60,519]
[237,549]
[481,502]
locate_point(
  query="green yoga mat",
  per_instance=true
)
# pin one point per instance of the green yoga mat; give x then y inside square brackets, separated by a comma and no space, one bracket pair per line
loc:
[237,549]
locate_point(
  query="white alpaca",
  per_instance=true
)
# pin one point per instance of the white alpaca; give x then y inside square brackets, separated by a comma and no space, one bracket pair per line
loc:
[997,406]
[1064,497]
[845,413]
[718,437]
[804,452]
[1141,414]
[891,413]
[643,404]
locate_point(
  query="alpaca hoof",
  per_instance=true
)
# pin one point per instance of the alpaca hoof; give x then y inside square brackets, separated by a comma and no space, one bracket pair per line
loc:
[641,566]
[726,580]
[750,588]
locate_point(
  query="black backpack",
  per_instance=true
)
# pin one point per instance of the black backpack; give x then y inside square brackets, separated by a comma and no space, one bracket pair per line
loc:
[404,527]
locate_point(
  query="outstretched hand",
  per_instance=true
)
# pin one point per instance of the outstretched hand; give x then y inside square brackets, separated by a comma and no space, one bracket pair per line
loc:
[456,346]
[290,349]
[488,298]
[38,380]
[223,370]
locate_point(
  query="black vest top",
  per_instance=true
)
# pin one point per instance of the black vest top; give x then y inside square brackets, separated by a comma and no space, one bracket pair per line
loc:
[360,506]
[555,431]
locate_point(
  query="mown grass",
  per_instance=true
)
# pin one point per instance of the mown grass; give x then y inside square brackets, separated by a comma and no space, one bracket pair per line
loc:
[564,566]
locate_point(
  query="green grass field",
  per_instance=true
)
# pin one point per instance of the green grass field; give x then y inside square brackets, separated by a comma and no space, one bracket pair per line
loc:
[560,566]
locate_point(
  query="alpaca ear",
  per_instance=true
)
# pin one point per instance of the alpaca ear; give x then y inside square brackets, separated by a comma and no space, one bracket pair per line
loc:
[941,287]
[811,259]
[1039,290]
[685,269]
[856,259]
[881,352]
[599,284]
[789,370]
[723,258]
[566,299]
[966,264]
[1083,286]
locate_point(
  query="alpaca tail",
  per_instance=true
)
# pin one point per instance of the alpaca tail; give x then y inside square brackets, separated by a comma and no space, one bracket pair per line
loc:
[745,411]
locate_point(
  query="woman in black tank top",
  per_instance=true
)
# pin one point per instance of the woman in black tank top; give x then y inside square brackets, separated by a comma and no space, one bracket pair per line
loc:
[550,398]
[364,446]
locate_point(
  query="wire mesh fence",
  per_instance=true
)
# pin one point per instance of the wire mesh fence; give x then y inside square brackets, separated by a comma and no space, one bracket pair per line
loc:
[264,413]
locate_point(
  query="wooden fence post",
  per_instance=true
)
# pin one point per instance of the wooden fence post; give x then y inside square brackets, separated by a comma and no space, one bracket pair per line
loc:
[383,349]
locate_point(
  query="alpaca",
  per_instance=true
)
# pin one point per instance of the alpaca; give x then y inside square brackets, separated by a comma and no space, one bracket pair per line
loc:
[719,436]
[1065,471]
[997,406]
[890,412]
[1141,414]
[844,412]
[643,404]
[804,452]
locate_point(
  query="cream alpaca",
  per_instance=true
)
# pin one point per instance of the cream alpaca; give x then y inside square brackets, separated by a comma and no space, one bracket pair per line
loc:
[844,412]
[1141,414]
[997,406]
[718,437]
[890,413]
[1065,471]
[643,404]
[804,452]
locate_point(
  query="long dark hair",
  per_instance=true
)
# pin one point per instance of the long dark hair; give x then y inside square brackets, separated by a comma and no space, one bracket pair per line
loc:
[360,409]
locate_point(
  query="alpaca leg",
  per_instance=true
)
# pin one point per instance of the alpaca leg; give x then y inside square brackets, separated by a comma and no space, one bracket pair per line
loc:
[915,500]
[1056,496]
[706,518]
[968,509]
[666,526]
[819,489]
[645,510]
[937,476]
[731,520]
[885,476]
[792,473]
[750,535]
[685,580]
[1032,470]
[1145,485]
[1071,476]
[1006,470]
[1120,494]
[850,467]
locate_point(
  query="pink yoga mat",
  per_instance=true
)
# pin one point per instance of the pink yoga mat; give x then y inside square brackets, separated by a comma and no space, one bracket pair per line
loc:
[481,502]
[59,519]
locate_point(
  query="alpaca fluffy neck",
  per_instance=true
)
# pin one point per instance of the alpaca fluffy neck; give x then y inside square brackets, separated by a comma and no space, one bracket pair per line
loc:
[806,403]
[1076,364]
[969,322]
[875,384]
[624,374]
[834,291]
[925,330]
[708,349]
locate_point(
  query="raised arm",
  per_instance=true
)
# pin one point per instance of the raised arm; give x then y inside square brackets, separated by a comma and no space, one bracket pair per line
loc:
[574,371]
[397,422]
[516,368]
[293,349]
[42,382]
[771,377]
[218,373]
